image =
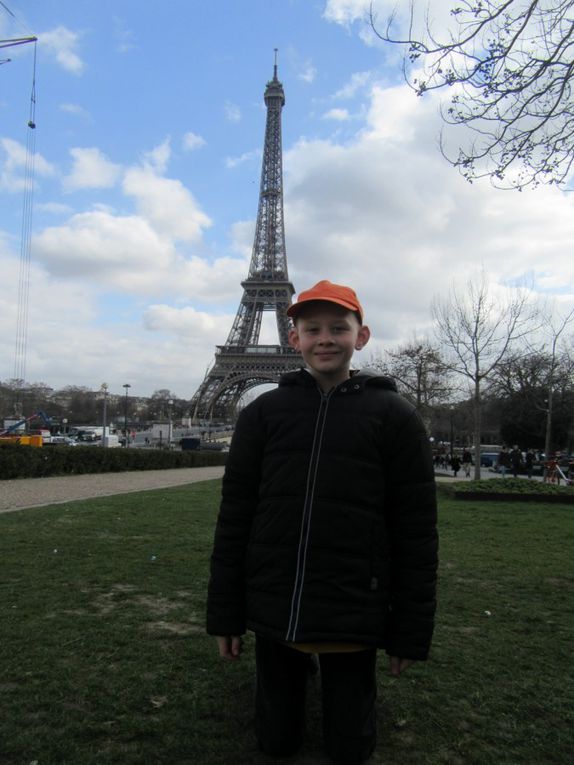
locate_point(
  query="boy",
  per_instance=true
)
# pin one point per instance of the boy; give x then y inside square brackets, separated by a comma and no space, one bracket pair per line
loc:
[326,539]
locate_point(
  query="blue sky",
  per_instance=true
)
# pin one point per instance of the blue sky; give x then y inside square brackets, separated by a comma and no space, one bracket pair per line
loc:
[150,123]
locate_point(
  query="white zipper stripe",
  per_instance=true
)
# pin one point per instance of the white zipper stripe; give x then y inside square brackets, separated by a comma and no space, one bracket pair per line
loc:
[299,549]
[306,520]
[302,579]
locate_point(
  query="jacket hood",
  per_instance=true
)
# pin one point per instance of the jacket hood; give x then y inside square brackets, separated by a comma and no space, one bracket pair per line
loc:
[361,377]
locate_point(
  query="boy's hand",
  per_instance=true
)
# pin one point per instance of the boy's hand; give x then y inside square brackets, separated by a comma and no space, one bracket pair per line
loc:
[398,665]
[230,646]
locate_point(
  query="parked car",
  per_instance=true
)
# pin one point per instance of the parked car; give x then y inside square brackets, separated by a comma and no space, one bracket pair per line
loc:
[61,441]
[488,459]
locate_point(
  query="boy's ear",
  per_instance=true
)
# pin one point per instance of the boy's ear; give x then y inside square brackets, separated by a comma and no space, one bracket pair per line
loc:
[362,337]
[294,338]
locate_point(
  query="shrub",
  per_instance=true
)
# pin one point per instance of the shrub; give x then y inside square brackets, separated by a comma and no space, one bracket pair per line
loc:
[18,461]
[519,487]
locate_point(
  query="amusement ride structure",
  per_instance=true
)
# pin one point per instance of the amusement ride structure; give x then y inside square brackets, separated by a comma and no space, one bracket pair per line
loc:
[20,349]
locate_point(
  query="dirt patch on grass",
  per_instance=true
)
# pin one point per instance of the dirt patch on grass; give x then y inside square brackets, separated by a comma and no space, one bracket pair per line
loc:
[126,596]
[124,588]
[468,630]
[157,606]
[559,581]
[104,603]
[175,628]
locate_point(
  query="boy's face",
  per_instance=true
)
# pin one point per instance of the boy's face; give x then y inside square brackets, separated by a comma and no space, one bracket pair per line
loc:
[326,335]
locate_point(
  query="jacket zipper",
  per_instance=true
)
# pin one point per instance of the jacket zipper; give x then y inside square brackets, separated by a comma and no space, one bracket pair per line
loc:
[306,520]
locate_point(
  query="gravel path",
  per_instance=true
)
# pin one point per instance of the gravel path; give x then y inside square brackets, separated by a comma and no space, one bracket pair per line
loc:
[36,492]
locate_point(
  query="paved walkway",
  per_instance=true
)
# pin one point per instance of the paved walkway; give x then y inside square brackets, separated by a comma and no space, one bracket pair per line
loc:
[37,492]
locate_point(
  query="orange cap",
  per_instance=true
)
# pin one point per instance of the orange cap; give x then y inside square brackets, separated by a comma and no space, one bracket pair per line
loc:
[332,293]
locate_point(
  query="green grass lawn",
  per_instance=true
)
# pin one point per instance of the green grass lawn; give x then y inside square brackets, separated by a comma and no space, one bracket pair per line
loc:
[103,656]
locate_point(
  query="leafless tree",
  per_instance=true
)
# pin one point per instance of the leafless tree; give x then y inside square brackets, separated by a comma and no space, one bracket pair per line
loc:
[554,326]
[475,332]
[419,371]
[510,64]
[521,385]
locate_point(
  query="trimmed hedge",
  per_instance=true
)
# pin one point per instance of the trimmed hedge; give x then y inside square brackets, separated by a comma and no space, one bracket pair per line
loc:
[563,498]
[18,461]
[509,489]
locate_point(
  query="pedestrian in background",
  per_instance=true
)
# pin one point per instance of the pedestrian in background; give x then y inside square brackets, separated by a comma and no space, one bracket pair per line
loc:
[529,462]
[515,460]
[466,462]
[503,461]
[455,464]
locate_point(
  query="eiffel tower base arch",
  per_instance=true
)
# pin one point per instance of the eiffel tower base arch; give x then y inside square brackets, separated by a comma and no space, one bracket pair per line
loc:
[237,370]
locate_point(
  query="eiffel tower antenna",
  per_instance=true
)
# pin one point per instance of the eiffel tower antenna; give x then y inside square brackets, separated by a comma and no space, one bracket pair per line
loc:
[243,363]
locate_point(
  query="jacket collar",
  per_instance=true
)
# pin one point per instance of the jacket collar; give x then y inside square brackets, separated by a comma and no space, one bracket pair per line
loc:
[359,379]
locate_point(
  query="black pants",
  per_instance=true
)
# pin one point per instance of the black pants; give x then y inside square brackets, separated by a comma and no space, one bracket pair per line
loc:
[348,690]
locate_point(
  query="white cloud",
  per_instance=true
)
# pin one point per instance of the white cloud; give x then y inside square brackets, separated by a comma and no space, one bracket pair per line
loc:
[357,82]
[388,215]
[349,13]
[111,249]
[308,72]
[397,115]
[126,253]
[339,115]
[69,344]
[232,162]
[435,15]
[242,233]
[13,162]
[192,141]
[158,158]
[124,36]
[62,43]
[53,339]
[346,11]
[187,322]
[168,206]
[75,109]
[84,352]
[232,112]
[91,170]
[53,208]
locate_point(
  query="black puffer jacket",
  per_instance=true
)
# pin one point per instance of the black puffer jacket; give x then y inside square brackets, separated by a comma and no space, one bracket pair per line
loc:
[327,526]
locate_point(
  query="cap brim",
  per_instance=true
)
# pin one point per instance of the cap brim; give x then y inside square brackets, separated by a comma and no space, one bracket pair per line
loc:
[294,309]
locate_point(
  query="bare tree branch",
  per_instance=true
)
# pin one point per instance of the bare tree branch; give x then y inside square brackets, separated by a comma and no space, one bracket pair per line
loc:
[510,65]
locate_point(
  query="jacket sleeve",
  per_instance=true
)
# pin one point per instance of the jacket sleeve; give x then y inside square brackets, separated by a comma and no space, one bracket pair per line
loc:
[240,488]
[412,526]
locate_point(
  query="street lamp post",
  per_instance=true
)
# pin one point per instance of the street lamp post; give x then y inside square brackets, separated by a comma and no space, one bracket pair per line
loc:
[170,425]
[127,386]
[104,389]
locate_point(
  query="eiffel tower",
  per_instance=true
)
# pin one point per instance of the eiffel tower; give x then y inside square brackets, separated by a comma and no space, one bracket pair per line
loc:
[243,363]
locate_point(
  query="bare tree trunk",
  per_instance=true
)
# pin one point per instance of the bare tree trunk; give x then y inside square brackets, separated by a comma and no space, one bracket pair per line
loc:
[548,438]
[477,428]
[556,330]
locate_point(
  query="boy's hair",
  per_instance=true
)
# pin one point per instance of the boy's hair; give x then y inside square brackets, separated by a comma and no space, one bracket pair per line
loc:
[326,291]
